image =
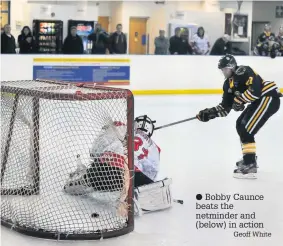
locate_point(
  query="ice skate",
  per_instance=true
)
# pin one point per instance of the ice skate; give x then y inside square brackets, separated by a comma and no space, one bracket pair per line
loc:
[246,171]
[241,163]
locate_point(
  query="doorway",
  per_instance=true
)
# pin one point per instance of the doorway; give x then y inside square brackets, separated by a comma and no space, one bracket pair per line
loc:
[104,22]
[137,36]
[257,29]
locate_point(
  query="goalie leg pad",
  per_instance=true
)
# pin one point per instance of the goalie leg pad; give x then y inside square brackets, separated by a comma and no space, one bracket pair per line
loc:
[155,196]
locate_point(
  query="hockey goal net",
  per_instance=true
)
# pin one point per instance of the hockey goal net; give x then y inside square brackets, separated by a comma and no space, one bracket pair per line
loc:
[44,126]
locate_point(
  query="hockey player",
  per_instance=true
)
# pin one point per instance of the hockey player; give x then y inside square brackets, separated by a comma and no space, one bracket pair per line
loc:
[269,48]
[150,194]
[244,86]
[262,46]
[279,40]
[106,171]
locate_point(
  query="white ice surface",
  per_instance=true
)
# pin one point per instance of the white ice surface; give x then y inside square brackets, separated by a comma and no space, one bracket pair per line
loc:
[200,158]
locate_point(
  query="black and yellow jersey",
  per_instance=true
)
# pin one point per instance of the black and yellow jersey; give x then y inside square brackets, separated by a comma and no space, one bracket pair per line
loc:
[264,37]
[250,85]
[279,40]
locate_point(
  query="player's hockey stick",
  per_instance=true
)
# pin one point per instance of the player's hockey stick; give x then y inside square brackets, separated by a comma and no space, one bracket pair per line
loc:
[175,123]
[237,94]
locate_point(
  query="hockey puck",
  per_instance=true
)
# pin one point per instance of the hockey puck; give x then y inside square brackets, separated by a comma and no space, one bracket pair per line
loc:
[94,215]
[178,201]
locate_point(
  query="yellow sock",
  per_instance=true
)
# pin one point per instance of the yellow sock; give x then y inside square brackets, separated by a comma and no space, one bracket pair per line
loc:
[248,148]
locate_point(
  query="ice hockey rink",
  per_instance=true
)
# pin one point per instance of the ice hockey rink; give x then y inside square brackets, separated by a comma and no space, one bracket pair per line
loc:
[200,158]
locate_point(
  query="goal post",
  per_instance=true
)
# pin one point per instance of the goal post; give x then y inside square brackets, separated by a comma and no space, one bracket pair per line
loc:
[45,125]
[33,188]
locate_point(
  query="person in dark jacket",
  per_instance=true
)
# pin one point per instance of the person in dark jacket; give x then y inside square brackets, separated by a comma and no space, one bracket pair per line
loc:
[8,42]
[100,40]
[118,41]
[26,41]
[222,46]
[73,43]
[179,45]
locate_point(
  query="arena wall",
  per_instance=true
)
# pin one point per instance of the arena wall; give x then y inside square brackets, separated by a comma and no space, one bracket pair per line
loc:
[156,75]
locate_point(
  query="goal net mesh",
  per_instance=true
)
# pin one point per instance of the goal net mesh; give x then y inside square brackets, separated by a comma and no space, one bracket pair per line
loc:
[45,126]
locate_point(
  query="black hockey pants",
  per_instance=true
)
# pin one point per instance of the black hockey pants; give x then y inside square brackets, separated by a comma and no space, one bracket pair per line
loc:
[251,121]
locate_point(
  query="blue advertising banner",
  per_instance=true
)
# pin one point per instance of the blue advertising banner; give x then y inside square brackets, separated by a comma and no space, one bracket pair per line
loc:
[80,70]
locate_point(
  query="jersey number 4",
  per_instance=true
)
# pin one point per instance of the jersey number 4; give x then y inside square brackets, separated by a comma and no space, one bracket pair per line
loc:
[138,143]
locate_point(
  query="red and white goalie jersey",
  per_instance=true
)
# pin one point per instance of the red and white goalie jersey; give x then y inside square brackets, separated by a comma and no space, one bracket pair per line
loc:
[146,154]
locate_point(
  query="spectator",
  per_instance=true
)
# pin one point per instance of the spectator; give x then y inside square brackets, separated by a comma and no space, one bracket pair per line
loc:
[118,41]
[73,43]
[26,41]
[179,45]
[200,43]
[161,44]
[99,40]
[8,43]
[222,46]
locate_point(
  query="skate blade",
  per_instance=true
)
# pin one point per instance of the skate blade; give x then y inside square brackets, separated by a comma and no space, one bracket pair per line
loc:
[245,176]
[236,167]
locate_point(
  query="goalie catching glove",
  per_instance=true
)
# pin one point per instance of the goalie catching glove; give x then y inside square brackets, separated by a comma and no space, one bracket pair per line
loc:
[211,113]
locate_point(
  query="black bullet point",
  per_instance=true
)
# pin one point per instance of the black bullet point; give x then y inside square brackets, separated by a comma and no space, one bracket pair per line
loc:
[199,196]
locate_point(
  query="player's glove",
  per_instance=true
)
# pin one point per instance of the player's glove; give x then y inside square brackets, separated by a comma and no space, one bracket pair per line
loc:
[238,105]
[207,114]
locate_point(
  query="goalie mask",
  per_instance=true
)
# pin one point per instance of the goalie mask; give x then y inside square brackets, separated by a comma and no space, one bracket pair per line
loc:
[145,124]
